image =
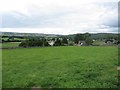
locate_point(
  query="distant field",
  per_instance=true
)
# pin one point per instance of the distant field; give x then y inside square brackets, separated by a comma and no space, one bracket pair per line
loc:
[99,43]
[13,39]
[9,44]
[73,67]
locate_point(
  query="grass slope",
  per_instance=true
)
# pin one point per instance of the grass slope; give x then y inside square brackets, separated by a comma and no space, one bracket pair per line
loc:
[75,67]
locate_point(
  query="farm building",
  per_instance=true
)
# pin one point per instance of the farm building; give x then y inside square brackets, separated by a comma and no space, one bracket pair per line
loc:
[81,43]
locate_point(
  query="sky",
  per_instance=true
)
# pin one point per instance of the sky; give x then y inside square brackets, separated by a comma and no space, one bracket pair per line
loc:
[59,16]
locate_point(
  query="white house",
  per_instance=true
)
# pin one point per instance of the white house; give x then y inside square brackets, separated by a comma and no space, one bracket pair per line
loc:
[51,43]
[81,43]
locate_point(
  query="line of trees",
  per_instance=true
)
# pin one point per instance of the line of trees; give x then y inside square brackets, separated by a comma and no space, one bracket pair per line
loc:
[12,38]
[34,42]
[41,42]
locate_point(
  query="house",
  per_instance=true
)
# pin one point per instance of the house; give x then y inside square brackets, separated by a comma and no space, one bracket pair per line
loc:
[109,42]
[51,43]
[81,43]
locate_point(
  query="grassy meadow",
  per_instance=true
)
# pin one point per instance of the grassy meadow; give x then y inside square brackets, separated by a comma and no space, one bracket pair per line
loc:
[62,67]
[9,44]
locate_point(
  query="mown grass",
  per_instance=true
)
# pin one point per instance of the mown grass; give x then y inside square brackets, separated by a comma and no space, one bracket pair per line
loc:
[61,67]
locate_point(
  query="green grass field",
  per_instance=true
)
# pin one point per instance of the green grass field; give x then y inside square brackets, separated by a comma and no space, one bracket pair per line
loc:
[13,39]
[63,67]
[99,43]
[9,44]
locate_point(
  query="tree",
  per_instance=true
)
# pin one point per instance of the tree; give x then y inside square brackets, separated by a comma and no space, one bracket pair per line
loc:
[46,44]
[57,42]
[86,35]
[32,42]
[64,41]
[80,37]
[89,41]
[24,44]
[11,38]
[53,39]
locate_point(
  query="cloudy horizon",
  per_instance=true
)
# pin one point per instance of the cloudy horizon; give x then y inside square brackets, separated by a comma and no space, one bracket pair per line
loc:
[59,16]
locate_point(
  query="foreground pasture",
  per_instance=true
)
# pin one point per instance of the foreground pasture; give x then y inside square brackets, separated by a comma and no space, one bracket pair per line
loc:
[73,67]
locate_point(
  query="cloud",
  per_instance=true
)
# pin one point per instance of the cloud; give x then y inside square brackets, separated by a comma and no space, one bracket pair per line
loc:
[58,16]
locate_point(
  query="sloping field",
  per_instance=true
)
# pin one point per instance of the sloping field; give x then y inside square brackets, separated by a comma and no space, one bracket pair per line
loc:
[73,67]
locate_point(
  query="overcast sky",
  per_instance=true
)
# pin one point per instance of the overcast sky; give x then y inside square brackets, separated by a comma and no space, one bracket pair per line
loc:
[59,16]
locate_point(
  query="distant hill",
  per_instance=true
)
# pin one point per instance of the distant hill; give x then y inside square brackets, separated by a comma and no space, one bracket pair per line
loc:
[103,35]
[71,36]
[98,35]
[27,34]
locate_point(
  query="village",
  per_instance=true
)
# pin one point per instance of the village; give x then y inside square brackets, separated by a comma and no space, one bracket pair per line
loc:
[85,39]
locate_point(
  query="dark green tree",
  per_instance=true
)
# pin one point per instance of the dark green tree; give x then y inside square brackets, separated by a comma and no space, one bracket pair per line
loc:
[79,37]
[57,42]
[89,41]
[32,42]
[64,41]
[76,39]
[86,35]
